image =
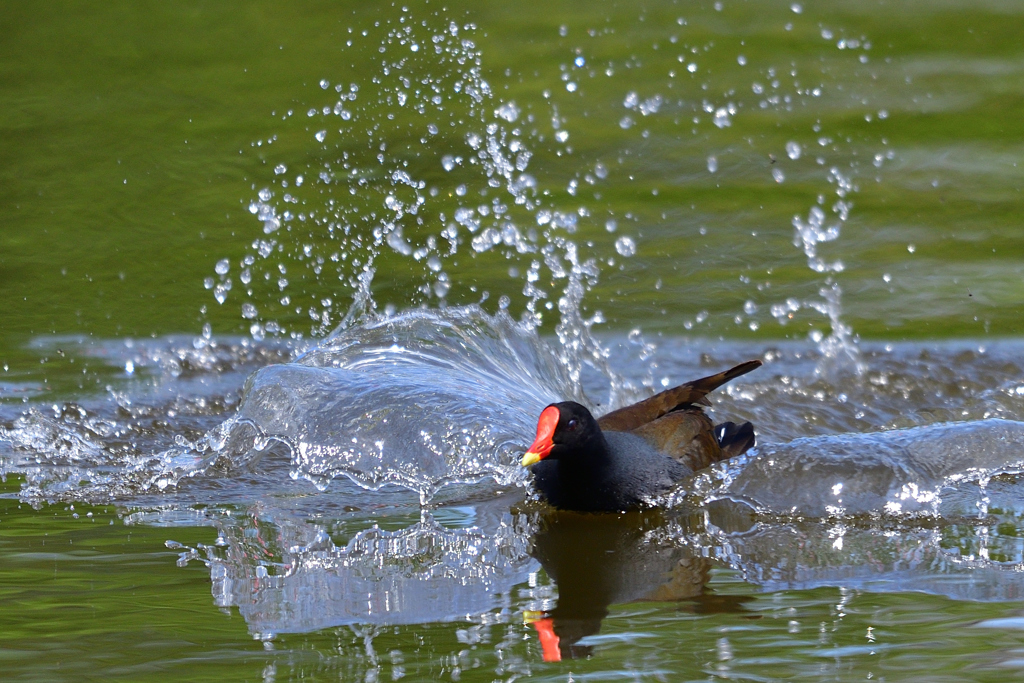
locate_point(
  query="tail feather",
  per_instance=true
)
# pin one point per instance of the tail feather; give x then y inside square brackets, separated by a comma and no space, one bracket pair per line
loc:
[682,396]
[735,439]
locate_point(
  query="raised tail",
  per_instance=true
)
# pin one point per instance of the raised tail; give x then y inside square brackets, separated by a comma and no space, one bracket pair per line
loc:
[689,394]
[734,439]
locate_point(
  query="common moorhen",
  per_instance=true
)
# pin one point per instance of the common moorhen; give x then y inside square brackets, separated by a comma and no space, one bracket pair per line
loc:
[621,460]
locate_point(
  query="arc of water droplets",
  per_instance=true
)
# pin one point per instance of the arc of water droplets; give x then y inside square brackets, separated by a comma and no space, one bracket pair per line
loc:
[497,149]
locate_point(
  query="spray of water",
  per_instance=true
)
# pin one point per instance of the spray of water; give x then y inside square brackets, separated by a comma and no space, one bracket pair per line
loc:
[422,169]
[840,346]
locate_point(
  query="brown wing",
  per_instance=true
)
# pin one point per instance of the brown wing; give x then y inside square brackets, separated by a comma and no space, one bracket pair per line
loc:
[690,394]
[686,435]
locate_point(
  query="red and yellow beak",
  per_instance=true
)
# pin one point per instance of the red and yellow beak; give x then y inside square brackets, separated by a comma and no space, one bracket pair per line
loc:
[543,444]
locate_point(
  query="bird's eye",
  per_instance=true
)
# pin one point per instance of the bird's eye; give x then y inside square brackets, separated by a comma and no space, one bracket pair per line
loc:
[572,425]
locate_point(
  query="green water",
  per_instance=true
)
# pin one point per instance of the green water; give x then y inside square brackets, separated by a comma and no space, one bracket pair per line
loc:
[88,600]
[128,160]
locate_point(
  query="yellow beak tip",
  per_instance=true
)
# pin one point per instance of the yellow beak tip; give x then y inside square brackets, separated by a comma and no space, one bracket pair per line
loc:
[530,458]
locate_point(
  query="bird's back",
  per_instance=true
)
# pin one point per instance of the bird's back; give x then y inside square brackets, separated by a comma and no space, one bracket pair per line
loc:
[690,395]
[673,422]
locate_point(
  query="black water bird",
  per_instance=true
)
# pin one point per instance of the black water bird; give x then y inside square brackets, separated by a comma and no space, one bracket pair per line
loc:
[622,460]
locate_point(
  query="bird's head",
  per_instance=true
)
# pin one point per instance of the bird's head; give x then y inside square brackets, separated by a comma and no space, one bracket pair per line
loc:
[562,428]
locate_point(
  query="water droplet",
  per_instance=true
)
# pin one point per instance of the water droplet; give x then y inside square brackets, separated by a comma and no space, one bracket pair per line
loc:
[712,164]
[562,135]
[692,67]
[579,62]
[325,84]
[248,311]
[796,7]
[601,171]
[911,248]
[651,105]
[432,128]
[778,175]
[222,267]
[280,169]
[220,292]
[129,367]
[721,118]
[750,308]
[611,225]
[625,246]
[434,264]
[320,135]
[398,243]
[793,150]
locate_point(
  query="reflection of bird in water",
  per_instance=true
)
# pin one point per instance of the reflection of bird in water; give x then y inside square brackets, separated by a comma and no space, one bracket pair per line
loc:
[623,459]
[602,560]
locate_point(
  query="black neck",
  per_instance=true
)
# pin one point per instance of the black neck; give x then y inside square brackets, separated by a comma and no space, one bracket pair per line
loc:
[589,460]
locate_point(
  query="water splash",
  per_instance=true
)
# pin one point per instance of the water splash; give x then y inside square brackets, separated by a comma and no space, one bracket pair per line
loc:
[444,177]
[405,576]
[841,343]
[424,400]
[901,473]
[432,197]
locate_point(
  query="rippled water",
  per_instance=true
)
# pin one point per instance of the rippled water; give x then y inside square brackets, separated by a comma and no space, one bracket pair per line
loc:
[313,419]
[297,546]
